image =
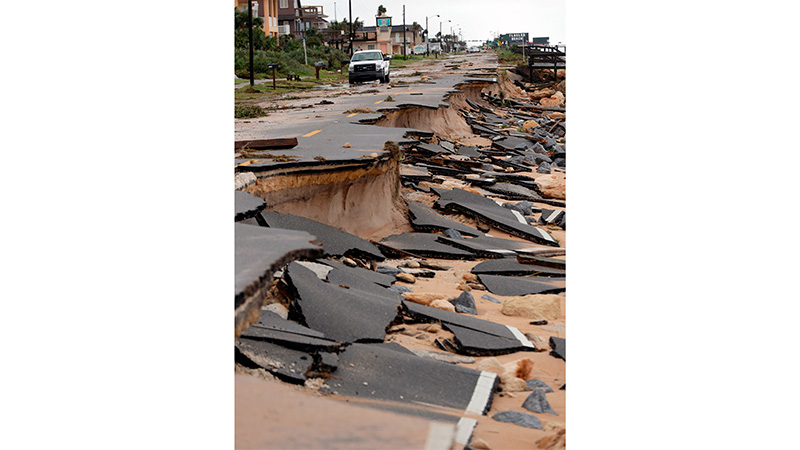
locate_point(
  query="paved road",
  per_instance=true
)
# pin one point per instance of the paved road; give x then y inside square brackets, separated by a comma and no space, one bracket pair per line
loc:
[326,126]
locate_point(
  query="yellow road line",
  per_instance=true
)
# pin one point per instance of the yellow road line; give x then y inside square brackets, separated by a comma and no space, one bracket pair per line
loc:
[312,133]
[351,115]
[379,101]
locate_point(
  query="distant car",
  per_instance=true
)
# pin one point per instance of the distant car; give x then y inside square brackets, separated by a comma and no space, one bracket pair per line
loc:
[473,50]
[368,65]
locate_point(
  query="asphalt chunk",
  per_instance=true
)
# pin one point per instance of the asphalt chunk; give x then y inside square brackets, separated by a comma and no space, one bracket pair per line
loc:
[426,219]
[382,373]
[247,205]
[344,315]
[473,336]
[289,365]
[335,241]
[510,266]
[518,418]
[558,347]
[490,212]
[426,245]
[518,286]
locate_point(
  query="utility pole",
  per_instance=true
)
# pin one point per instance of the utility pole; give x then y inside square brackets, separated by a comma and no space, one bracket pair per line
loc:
[350,4]
[250,33]
[334,12]
[404,31]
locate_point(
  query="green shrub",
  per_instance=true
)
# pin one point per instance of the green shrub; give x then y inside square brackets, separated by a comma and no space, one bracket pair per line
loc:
[244,111]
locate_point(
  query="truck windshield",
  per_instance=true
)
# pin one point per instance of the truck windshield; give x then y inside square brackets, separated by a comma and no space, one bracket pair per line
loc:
[373,56]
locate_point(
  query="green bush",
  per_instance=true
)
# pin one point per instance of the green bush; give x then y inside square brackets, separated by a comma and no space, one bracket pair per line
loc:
[245,111]
[290,58]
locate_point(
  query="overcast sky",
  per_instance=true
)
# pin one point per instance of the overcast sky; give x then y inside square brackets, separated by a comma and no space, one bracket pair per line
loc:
[478,19]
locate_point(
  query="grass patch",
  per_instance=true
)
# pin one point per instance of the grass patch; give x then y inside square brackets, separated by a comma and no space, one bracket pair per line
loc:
[249,111]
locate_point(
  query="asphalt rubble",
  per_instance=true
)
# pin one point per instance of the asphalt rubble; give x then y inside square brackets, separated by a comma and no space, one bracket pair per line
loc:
[333,310]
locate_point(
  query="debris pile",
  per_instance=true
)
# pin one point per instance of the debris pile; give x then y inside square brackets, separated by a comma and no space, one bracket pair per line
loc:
[396,322]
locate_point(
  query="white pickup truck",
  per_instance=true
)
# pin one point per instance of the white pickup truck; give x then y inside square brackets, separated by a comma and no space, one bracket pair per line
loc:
[369,65]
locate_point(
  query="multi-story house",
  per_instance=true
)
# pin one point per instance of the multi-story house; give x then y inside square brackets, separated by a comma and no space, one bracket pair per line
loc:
[295,19]
[266,10]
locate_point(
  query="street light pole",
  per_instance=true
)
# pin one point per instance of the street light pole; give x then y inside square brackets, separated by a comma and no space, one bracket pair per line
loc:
[250,33]
[428,35]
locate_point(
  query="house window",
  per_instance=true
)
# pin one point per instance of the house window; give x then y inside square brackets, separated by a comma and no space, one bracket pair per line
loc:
[370,47]
[284,3]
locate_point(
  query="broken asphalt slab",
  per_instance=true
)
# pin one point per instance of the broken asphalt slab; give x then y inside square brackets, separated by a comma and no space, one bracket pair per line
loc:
[259,252]
[510,266]
[247,205]
[492,247]
[270,327]
[382,373]
[341,314]
[334,241]
[473,336]
[288,364]
[425,245]
[558,347]
[426,219]
[493,214]
[518,286]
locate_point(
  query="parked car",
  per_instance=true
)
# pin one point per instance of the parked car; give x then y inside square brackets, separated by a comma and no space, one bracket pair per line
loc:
[473,50]
[369,65]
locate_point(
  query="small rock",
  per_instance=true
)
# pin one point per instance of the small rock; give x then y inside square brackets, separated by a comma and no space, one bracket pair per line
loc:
[537,148]
[349,262]
[406,278]
[400,289]
[528,124]
[536,402]
[490,298]
[469,276]
[543,168]
[346,145]
[518,418]
[491,365]
[443,305]
[453,234]
[512,383]
[434,265]
[488,167]
[423,298]
[421,336]
[432,327]
[479,444]
[534,306]
[537,383]
[463,287]
[482,227]
[411,264]
[373,155]
[465,303]
[541,93]
[387,270]
[477,286]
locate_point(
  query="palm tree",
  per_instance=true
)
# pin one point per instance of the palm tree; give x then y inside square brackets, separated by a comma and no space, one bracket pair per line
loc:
[415,29]
[381,10]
